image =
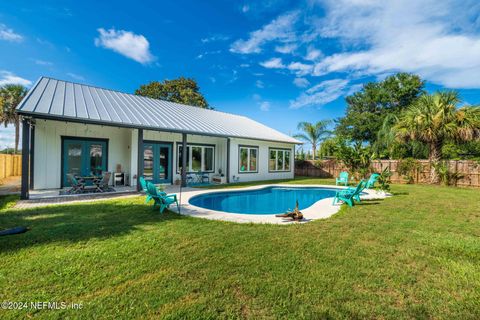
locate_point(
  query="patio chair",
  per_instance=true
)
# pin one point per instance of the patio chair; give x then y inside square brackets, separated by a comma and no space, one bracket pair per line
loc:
[349,195]
[190,179]
[101,185]
[205,178]
[161,198]
[76,186]
[371,181]
[342,178]
[143,184]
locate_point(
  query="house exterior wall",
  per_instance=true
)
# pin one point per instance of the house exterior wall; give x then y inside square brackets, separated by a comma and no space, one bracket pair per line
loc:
[263,158]
[176,138]
[48,148]
[123,150]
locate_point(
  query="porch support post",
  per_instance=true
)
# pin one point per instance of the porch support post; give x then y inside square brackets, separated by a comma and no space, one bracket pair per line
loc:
[24,195]
[32,153]
[184,160]
[140,158]
[228,160]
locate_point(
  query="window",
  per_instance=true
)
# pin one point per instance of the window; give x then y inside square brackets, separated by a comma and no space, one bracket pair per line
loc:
[279,160]
[248,159]
[199,158]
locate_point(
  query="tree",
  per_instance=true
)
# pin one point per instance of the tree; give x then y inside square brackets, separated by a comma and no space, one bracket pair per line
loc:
[434,120]
[181,90]
[357,158]
[367,108]
[10,97]
[313,133]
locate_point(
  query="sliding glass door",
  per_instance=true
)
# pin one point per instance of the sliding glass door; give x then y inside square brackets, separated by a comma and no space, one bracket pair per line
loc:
[157,162]
[83,157]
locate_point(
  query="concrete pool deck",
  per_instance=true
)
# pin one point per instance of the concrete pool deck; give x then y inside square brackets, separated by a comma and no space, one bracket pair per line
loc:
[321,209]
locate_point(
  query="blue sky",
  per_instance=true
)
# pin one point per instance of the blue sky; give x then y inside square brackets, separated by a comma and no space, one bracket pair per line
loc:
[276,61]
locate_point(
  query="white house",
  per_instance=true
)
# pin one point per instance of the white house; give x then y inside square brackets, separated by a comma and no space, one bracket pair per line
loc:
[80,129]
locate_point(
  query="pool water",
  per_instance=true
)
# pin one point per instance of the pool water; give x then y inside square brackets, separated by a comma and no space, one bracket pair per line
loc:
[271,200]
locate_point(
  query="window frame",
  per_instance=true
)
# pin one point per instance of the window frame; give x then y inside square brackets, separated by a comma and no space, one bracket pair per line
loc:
[240,147]
[204,146]
[284,150]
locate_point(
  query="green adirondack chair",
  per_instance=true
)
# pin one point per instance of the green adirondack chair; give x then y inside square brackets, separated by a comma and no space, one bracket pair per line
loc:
[143,184]
[342,179]
[371,181]
[349,195]
[161,198]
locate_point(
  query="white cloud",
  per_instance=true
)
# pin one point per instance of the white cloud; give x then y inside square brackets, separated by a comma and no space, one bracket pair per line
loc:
[7,137]
[281,29]
[128,44]
[245,8]
[274,63]
[244,65]
[313,54]
[299,68]
[6,77]
[265,106]
[206,53]
[439,40]
[301,82]
[75,76]
[322,93]
[8,34]
[259,84]
[286,48]
[215,37]
[43,62]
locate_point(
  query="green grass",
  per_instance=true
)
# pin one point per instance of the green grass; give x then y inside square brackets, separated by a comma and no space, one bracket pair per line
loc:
[415,255]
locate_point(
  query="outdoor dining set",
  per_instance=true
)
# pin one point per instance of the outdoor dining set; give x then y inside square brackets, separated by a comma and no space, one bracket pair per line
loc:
[89,184]
[197,178]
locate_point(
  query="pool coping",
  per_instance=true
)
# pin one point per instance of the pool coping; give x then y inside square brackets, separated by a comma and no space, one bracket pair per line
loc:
[321,209]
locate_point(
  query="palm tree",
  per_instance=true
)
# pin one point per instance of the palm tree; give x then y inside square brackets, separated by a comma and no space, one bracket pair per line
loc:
[435,119]
[10,97]
[313,133]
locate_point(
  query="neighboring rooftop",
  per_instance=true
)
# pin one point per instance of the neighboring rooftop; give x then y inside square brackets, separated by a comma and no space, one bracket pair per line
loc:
[62,100]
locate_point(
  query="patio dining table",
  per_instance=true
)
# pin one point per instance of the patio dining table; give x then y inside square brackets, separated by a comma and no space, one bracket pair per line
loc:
[94,180]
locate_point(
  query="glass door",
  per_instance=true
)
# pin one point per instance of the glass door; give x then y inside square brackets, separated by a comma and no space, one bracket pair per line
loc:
[157,162]
[148,161]
[83,157]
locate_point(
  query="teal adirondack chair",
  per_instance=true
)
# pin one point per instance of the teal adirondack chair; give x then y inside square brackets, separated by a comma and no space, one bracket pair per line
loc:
[371,181]
[342,179]
[143,183]
[161,198]
[349,195]
[148,197]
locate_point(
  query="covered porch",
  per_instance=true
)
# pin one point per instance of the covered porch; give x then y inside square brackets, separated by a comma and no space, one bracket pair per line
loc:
[58,148]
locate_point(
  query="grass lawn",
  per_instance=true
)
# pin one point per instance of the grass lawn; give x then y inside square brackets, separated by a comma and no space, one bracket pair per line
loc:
[415,255]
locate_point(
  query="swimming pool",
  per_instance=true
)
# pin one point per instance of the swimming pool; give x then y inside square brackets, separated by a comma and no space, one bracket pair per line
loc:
[270,200]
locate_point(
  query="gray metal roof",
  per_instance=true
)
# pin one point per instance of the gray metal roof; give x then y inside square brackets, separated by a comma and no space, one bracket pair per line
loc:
[61,100]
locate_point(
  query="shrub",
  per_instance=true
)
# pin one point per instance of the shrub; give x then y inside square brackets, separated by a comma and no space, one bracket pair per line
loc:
[407,168]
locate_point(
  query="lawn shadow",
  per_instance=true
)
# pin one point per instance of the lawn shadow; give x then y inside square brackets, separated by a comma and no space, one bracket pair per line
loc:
[367,203]
[403,193]
[78,222]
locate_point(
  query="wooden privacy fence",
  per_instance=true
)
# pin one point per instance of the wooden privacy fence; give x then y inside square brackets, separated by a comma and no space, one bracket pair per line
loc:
[468,170]
[10,165]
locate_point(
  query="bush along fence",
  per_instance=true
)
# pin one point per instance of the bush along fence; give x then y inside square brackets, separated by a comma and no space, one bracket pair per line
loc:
[10,165]
[462,173]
